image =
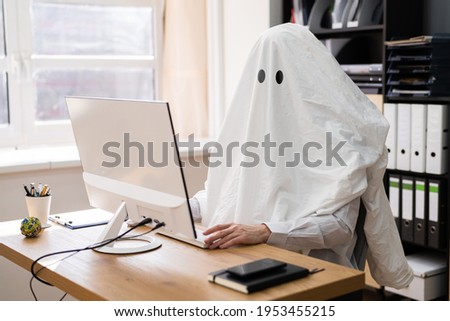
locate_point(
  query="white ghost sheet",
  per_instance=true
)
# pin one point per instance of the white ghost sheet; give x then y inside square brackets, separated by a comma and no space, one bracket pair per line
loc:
[301,139]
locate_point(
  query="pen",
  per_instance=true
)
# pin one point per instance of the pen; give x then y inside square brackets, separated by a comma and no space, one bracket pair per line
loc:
[44,190]
[37,191]
[26,190]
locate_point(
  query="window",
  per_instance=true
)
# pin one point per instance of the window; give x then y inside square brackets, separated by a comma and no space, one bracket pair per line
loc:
[51,49]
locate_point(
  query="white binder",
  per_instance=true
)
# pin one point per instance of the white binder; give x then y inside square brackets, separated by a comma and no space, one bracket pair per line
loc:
[436,160]
[404,137]
[390,112]
[418,137]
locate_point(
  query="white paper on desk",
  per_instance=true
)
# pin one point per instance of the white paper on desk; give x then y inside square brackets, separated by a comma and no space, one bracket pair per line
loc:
[390,112]
[404,137]
[436,160]
[418,137]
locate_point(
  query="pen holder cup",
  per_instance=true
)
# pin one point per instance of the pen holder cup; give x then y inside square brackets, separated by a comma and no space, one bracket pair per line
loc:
[39,207]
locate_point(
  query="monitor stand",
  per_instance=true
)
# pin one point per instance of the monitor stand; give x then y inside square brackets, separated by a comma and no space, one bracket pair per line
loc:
[132,246]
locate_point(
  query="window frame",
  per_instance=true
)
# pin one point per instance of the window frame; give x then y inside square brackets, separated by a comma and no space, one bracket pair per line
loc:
[20,63]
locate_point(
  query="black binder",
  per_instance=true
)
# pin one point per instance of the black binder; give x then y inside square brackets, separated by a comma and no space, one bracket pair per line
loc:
[407,209]
[419,211]
[436,214]
[394,198]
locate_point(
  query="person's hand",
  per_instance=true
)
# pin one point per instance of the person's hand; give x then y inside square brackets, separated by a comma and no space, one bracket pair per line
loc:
[231,234]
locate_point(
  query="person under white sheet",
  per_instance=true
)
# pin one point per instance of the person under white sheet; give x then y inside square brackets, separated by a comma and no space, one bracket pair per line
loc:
[310,147]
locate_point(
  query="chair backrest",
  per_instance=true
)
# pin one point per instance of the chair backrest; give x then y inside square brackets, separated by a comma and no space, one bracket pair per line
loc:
[360,250]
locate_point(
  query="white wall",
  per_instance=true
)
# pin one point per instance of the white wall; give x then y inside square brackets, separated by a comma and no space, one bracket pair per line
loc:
[233,27]
[68,194]
[244,21]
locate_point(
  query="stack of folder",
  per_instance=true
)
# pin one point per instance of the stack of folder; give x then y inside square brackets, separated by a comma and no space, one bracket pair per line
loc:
[368,77]
[417,138]
[419,206]
[419,67]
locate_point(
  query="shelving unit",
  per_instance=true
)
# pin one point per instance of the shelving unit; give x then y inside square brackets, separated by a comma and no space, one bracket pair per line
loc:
[401,19]
[349,32]
[412,14]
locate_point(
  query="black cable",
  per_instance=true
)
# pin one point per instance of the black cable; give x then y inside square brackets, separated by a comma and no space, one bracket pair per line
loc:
[137,235]
[90,247]
[32,278]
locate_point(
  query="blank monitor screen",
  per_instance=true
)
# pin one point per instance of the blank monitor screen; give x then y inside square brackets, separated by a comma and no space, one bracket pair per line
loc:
[128,152]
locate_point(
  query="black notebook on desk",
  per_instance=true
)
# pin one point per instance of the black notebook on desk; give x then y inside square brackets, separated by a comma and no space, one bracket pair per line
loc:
[257,275]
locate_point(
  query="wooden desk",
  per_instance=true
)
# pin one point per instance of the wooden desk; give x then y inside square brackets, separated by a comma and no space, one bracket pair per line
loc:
[176,271]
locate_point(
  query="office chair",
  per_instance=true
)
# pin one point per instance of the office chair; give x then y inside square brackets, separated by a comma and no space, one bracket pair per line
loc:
[359,253]
[360,250]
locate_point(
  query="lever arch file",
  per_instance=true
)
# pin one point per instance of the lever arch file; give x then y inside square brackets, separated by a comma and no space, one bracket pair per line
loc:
[436,160]
[390,112]
[404,137]
[407,230]
[418,137]
[436,211]
[419,212]
[394,197]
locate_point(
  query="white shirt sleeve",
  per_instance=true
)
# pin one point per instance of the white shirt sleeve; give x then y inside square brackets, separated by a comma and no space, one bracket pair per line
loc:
[198,205]
[195,209]
[329,237]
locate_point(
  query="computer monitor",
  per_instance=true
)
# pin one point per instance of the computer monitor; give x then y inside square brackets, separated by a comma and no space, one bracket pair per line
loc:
[131,166]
